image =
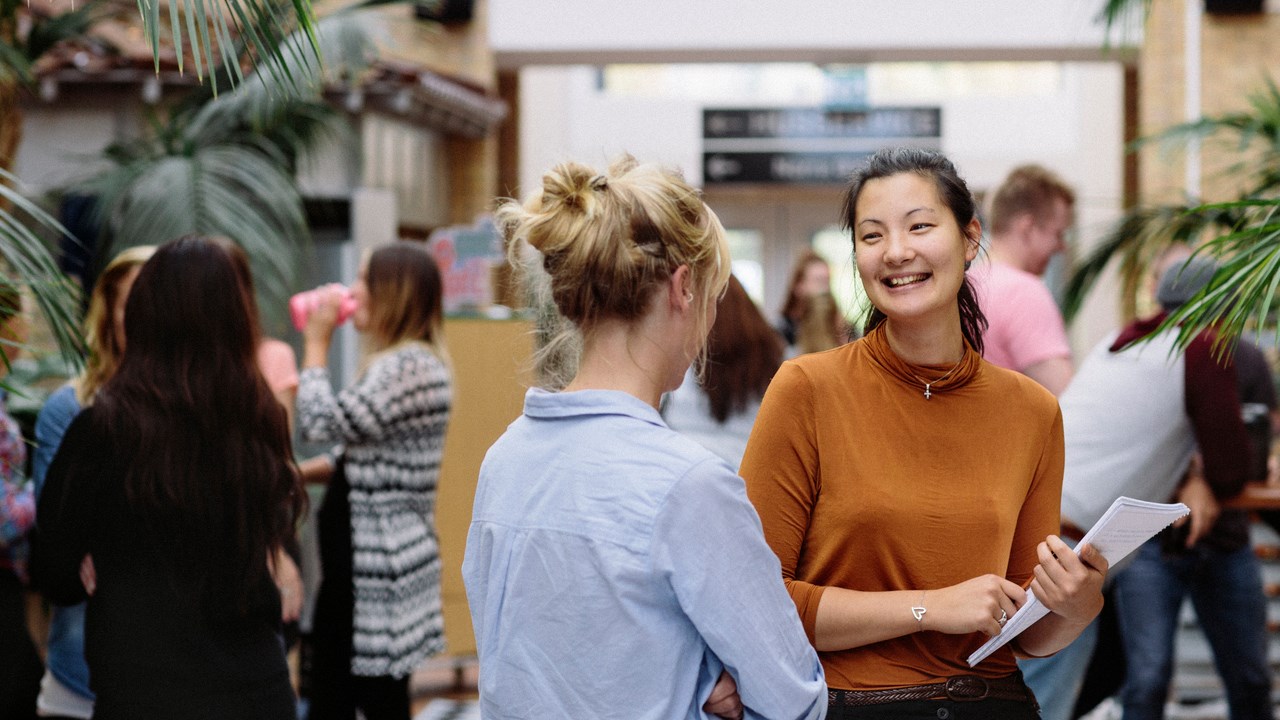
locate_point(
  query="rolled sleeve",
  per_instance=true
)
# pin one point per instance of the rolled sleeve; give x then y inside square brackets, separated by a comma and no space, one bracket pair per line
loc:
[780,467]
[708,542]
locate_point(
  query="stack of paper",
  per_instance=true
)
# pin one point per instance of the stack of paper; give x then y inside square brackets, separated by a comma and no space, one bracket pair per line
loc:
[1122,528]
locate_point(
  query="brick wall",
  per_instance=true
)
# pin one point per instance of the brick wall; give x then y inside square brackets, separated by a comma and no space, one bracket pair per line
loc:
[1237,53]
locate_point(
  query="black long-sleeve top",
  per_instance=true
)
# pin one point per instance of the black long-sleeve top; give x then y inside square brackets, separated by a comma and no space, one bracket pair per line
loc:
[154,645]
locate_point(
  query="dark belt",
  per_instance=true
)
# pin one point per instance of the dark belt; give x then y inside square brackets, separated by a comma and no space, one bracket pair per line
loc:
[1070,532]
[961,688]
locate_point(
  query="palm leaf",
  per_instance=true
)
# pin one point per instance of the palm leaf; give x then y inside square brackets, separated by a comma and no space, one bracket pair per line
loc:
[1140,236]
[1122,16]
[46,32]
[14,65]
[29,260]
[1243,290]
[236,191]
[1252,136]
[211,29]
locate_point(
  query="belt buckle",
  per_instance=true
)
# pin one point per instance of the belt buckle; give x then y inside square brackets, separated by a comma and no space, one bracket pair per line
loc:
[960,689]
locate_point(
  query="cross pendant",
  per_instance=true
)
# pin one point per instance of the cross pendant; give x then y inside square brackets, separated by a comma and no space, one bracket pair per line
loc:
[927,394]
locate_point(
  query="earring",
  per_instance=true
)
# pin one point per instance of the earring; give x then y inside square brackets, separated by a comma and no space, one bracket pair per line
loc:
[688,297]
[967,264]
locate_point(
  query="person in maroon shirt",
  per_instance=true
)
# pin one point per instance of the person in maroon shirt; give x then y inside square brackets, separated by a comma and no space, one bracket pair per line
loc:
[1208,558]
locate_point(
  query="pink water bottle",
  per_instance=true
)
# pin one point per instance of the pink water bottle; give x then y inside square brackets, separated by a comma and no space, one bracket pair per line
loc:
[301,305]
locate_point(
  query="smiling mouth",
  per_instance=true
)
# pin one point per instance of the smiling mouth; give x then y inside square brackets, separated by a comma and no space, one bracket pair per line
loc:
[905,280]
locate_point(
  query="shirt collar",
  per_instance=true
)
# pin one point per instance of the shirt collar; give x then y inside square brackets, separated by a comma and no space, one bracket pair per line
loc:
[1137,330]
[543,404]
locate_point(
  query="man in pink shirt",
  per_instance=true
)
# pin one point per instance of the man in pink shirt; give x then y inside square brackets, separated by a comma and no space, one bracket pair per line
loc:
[1029,218]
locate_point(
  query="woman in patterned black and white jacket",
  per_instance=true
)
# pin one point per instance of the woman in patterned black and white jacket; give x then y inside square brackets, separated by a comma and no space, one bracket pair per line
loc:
[378,610]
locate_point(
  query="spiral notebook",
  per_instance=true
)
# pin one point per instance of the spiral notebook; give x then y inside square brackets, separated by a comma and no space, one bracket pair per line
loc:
[1122,528]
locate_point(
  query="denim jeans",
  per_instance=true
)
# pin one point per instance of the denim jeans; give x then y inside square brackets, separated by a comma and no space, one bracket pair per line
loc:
[1226,591]
[1056,680]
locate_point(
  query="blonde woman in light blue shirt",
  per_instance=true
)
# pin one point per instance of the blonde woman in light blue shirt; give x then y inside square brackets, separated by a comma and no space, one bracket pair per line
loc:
[615,569]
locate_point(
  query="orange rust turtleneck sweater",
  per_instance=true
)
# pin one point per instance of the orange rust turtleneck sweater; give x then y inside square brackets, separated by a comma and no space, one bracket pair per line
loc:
[863,483]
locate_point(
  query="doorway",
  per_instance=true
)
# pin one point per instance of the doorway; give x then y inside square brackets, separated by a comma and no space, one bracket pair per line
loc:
[770,226]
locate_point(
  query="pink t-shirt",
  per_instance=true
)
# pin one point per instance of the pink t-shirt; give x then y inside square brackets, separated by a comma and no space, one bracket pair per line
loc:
[278,364]
[1025,324]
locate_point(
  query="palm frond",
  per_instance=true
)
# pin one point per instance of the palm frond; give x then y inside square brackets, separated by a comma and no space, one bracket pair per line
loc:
[30,261]
[1243,290]
[214,31]
[1122,16]
[15,67]
[291,123]
[46,32]
[1252,135]
[1140,236]
[232,190]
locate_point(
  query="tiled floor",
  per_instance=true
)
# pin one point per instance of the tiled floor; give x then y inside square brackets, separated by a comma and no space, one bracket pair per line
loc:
[445,689]
[445,709]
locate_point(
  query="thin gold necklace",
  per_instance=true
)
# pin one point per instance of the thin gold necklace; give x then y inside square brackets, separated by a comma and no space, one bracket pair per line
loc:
[927,384]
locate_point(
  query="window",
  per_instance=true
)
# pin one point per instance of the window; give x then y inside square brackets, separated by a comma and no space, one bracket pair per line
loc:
[834,246]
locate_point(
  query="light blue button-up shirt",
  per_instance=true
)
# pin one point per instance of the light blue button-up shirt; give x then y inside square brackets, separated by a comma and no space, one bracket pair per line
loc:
[614,568]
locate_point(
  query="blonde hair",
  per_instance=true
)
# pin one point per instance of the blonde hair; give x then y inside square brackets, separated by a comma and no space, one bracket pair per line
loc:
[1028,189]
[99,324]
[606,242]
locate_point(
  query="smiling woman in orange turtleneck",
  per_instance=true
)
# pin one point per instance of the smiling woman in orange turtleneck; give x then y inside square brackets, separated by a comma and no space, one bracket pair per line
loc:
[911,489]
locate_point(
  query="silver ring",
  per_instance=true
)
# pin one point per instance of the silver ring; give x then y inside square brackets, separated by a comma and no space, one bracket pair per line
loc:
[1003,617]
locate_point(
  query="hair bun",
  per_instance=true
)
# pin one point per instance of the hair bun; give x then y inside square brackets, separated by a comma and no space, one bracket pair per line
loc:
[570,185]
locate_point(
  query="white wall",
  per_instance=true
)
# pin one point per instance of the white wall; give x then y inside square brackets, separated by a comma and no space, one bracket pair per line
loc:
[589,31]
[63,141]
[1066,116]
[564,117]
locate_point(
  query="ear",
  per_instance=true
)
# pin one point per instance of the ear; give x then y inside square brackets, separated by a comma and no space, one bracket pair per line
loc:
[1023,225]
[972,239]
[680,289]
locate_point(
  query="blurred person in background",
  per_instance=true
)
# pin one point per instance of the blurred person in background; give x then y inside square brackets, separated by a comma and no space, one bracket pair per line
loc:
[378,612]
[1031,213]
[20,666]
[743,353]
[1138,413]
[64,691]
[167,499]
[810,320]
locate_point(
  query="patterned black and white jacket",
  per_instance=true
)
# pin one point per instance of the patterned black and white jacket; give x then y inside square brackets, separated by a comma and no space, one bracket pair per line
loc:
[391,426]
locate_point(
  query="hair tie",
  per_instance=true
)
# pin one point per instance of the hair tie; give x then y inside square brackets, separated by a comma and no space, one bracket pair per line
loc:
[599,182]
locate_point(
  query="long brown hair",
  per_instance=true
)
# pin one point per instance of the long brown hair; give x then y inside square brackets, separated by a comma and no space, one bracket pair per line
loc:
[743,353]
[244,274]
[211,474]
[405,296]
[815,322]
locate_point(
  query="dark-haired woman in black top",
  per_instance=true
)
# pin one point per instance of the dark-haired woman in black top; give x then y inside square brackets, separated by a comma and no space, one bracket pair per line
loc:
[178,484]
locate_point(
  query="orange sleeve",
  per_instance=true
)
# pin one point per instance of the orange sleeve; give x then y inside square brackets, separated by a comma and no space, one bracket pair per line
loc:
[1041,511]
[780,467]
